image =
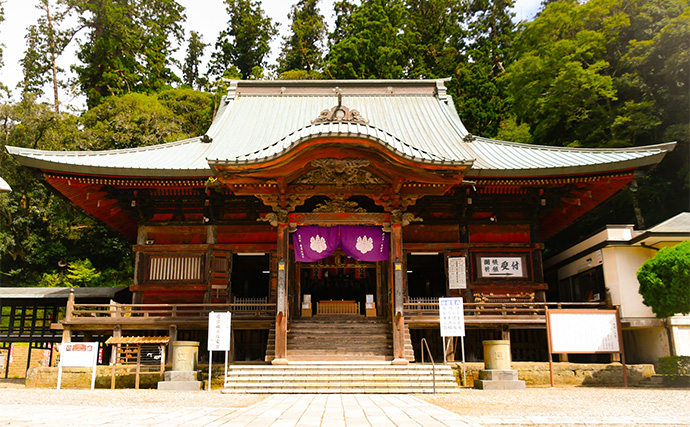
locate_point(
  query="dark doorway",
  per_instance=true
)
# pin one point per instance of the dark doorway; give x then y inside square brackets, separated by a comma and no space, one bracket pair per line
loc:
[426,275]
[250,275]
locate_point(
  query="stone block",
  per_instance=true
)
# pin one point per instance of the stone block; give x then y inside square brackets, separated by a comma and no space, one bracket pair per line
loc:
[181,376]
[179,385]
[498,379]
[498,375]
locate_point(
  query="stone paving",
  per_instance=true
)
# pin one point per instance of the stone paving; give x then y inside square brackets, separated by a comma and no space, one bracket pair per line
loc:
[350,410]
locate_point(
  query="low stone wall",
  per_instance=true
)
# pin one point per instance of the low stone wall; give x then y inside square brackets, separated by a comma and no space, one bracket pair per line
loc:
[43,377]
[567,374]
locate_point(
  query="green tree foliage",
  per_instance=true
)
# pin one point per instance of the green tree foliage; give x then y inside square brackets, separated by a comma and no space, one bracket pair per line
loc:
[45,43]
[245,44]
[190,68]
[482,101]
[137,120]
[303,47]
[2,19]
[37,228]
[127,46]
[433,37]
[368,42]
[665,281]
[599,73]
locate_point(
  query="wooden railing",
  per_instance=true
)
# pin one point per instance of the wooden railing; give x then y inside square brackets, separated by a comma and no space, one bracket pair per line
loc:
[429,307]
[337,307]
[115,313]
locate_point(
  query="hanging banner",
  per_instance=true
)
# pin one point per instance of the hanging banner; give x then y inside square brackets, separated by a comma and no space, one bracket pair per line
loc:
[363,243]
[313,243]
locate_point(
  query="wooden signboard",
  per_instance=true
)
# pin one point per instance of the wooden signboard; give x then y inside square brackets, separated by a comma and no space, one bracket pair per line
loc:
[584,332]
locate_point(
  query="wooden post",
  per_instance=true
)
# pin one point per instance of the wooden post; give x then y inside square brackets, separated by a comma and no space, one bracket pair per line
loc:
[397,287]
[172,333]
[281,296]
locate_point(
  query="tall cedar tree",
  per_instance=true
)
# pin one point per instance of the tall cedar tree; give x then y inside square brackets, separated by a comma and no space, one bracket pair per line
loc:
[368,42]
[127,48]
[245,44]
[481,99]
[2,19]
[434,37]
[303,48]
[190,68]
[45,43]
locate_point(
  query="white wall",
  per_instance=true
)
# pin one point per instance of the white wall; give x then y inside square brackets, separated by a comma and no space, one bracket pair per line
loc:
[620,274]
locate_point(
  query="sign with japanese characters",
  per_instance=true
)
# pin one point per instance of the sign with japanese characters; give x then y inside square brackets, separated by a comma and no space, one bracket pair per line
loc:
[457,278]
[78,355]
[585,332]
[219,331]
[490,266]
[452,316]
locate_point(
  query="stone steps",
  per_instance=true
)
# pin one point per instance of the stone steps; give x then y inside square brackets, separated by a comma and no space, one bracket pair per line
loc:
[339,338]
[321,377]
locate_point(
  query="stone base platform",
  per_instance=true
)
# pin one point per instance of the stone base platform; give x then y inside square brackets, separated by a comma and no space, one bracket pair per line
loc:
[180,381]
[499,379]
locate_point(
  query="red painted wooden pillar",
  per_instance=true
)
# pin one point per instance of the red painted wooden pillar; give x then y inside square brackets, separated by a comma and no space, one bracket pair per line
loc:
[281,296]
[397,288]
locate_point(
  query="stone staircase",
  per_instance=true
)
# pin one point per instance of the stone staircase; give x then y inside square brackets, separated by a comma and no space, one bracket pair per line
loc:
[338,339]
[353,377]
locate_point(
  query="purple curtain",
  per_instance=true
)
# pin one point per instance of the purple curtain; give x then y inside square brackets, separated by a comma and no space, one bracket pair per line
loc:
[313,243]
[365,243]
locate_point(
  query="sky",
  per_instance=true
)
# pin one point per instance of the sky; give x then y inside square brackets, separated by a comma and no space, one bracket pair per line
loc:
[207,17]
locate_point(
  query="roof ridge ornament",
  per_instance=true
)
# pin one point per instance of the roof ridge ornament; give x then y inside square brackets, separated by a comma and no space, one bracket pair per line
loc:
[340,113]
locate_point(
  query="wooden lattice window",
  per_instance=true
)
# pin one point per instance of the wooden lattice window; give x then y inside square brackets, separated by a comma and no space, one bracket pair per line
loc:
[176,268]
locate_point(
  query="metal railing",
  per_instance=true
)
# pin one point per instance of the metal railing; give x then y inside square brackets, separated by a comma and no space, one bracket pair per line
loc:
[423,345]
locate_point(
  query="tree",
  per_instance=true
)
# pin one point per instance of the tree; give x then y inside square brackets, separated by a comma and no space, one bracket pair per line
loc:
[245,44]
[38,230]
[45,43]
[368,44]
[131,120]
[303,48]
[665,281]
[190,68]
[127,48]
[433,37]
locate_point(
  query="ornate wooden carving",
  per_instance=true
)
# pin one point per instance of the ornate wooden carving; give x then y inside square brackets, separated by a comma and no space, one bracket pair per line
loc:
[340,172]
[338,204]
[340,113]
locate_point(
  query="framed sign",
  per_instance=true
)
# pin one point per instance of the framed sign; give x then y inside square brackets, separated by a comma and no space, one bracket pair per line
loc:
[78,355]
[584,331]
[219,331]
[501,266]
[452,317]
[457,278]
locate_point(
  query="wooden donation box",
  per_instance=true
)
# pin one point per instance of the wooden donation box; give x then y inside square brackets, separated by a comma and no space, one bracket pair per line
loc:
[306,306]
[370,306]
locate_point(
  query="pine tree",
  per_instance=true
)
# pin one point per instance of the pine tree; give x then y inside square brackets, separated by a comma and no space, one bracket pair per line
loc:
[45,43]
[303,48]
[127,48]
[368,43]
[190,68]
[245,44]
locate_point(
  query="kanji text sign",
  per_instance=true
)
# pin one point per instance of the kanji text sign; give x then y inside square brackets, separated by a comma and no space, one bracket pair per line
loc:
[501,267]
[584,332]
[457,278]
[78,355]
[452,317]
[219,331]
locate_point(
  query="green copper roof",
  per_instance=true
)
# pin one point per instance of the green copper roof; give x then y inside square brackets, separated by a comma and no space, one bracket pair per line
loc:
[416,119]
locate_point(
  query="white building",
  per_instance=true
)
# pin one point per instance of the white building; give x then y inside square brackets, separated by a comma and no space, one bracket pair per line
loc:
[604,267]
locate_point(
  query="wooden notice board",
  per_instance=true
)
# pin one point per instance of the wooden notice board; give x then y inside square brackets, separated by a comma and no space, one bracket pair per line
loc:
[584,332]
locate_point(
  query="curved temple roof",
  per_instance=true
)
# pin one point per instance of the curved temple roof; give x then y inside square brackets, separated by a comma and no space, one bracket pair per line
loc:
[415,119]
